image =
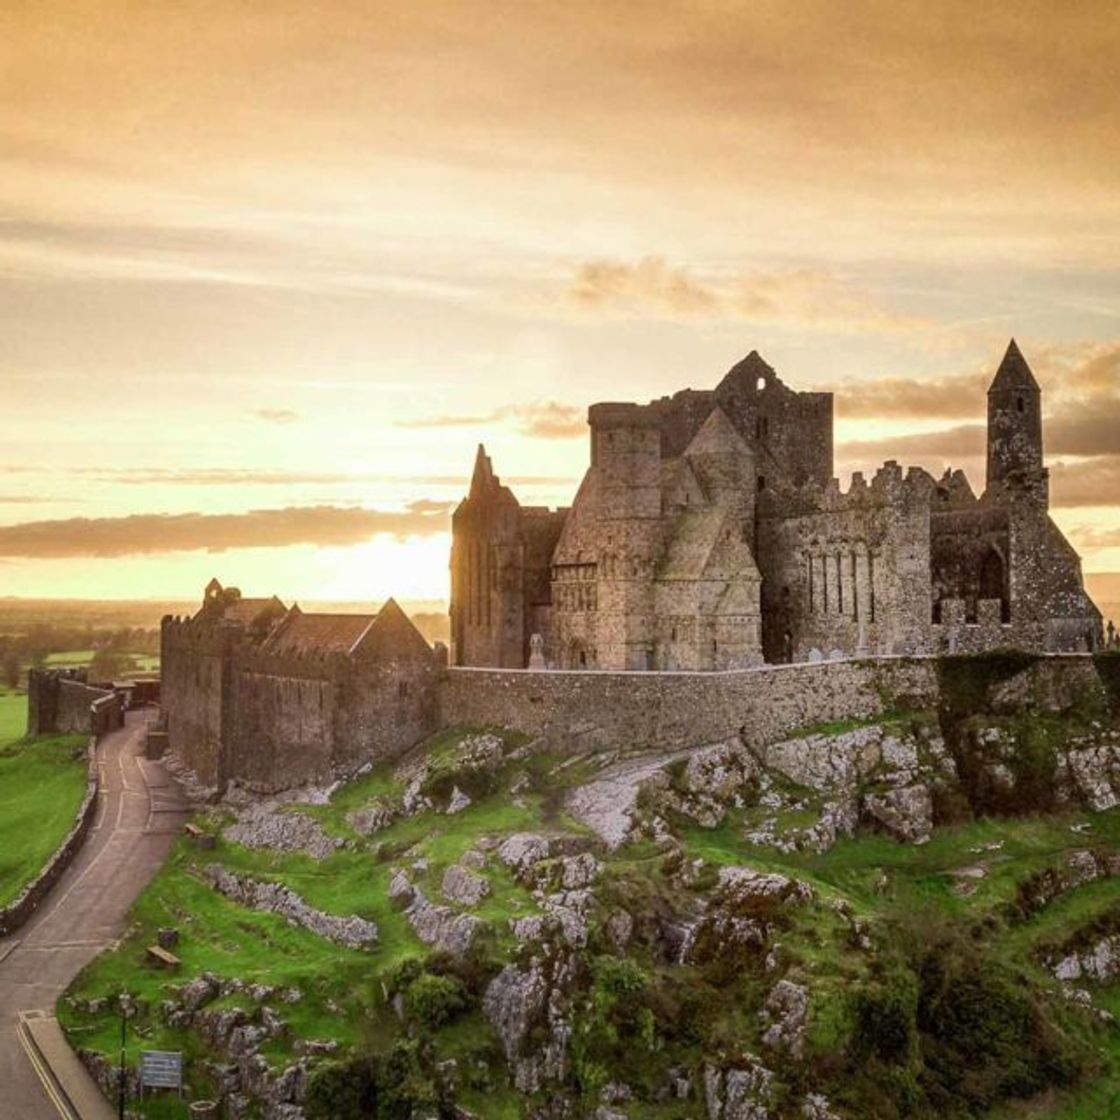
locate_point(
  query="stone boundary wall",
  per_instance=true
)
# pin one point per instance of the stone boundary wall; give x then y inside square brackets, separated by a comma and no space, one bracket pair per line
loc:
[77,702]
[17,912]
[588,710]
[61,702]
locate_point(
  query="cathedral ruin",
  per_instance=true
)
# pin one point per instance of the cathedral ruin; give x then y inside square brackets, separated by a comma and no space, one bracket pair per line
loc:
[709,533]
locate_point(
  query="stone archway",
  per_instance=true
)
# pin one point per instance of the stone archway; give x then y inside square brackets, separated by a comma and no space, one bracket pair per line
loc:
[993,579]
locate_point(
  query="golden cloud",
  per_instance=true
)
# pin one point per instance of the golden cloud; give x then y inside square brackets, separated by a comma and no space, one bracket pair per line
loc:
[651,288]
[544,419]
[324,526]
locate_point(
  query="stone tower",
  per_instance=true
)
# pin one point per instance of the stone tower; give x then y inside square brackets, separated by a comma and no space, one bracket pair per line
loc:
[1014,423]
[626,459]
[487,607]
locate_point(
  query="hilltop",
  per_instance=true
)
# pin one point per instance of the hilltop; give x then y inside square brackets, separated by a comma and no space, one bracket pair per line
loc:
[909,915]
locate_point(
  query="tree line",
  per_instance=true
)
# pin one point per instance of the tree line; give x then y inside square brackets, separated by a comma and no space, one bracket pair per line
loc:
[113,649]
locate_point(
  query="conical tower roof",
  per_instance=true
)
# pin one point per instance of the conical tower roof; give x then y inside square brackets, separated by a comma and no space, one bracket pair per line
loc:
[1013,372]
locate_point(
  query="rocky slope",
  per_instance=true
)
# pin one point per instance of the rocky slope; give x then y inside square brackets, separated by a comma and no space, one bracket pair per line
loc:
[915,917]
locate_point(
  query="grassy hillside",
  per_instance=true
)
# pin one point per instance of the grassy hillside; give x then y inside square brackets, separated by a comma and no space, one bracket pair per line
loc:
[924,964]
[13,716]
[42,782]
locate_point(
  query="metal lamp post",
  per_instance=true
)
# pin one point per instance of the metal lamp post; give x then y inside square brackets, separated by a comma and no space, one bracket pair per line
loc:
[121,1090]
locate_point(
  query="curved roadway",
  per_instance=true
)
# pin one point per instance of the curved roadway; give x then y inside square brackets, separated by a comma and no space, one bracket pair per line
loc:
[139,813]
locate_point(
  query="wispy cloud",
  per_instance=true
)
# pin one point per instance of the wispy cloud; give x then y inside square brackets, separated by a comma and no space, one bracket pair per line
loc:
[654,288]
[1089,482]
[276,415]
[1077,382]
[240,476]
[324,526]
[1089,538]
[951,397]
[544,419]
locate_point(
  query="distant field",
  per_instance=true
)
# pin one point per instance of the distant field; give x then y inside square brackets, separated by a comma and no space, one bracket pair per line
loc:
[41,787]
[78,658]
[70,657]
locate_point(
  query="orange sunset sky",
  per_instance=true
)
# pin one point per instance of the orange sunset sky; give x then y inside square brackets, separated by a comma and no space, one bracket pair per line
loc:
[270,271]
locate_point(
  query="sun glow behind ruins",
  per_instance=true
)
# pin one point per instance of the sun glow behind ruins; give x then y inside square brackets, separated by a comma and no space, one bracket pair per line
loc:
[286,268]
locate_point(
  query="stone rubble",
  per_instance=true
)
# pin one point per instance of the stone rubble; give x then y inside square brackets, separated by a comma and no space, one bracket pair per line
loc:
[351,931]
[270,827]
[435,925]
[464,886]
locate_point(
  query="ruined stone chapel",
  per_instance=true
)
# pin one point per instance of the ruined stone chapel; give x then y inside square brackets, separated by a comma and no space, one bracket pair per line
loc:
[709,533]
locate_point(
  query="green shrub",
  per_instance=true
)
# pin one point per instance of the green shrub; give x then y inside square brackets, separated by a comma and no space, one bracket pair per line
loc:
[616,978]
[434,1000]
[965,680]
[392,1086]
[885,1015]
[615,1029]
[343,1090]
[947,1030]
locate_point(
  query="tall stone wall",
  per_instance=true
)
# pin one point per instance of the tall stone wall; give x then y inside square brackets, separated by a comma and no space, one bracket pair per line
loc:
[76,704]
[281,720]
[271,722]
[59,701]
[195,682]
[847,571]
[581,711]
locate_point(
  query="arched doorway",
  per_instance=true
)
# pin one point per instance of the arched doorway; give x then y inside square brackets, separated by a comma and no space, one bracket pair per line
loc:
[993,580]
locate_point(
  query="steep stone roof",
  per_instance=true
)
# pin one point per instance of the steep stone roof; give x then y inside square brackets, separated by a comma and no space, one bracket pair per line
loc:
[1013,372]
[247,611]
[717,436]
[679,484]
[301,633]
[706,544]
[392,636]
[579,539]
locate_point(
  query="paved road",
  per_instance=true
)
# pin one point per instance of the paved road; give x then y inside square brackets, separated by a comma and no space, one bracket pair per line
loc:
[140,812]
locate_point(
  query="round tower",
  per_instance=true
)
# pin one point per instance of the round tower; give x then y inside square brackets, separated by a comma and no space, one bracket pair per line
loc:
[1014,422]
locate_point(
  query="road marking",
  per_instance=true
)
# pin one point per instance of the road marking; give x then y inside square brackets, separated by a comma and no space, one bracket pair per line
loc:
[45,1079]
[7,950]
[117,830]
[52,946]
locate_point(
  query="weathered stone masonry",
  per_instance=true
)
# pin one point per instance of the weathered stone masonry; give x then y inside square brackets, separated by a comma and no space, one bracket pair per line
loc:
[579,711]
[709,533]
[707,539]
[269,697]
[60,702]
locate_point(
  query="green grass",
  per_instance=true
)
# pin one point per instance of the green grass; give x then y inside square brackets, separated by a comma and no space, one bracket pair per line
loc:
[13,716]
[42,783]
[220,937]
[873,870]
[840,726]
[893,889]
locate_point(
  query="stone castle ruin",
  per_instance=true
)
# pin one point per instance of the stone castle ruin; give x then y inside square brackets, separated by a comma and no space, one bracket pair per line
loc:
[709,533]
[269,696]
